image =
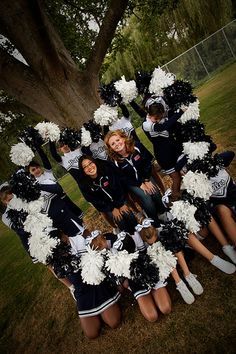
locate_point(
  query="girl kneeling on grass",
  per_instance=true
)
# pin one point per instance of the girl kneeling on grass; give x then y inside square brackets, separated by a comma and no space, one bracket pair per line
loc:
[150,235]
[150,300]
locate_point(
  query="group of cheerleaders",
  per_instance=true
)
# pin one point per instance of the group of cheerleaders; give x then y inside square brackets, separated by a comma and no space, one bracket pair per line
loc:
[120,178]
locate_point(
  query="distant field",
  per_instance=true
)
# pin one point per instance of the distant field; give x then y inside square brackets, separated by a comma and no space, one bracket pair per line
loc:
[38,314]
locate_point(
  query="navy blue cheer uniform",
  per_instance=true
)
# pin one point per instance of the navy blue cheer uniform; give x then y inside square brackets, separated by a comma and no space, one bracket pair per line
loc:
[107,192]
[96,149]
[166,150]
[48,175]
[92,300]
[136,169]
[224,190]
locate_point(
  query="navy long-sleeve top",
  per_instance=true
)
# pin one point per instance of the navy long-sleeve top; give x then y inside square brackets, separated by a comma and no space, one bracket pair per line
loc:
[105,192]
[137,167]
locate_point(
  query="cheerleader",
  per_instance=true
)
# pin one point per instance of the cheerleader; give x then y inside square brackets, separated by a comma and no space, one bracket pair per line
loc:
[150,300]
[150,235]
[103,188]
[158,126]
[135,163]
[46,173]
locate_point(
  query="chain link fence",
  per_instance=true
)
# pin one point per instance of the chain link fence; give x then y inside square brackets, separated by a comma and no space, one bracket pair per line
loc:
[202,60]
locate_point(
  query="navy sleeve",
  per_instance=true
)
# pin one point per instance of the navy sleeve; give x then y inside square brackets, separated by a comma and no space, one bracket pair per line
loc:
[124,109]
[46,163]
[147,162]
[54,153]
[86,150]
[158,127]
[141,112]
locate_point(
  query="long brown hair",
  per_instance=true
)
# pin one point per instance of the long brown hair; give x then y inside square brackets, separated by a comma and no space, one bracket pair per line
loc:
[129,144]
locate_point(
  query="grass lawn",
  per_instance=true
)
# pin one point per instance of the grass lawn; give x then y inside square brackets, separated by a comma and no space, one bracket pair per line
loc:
[38,315]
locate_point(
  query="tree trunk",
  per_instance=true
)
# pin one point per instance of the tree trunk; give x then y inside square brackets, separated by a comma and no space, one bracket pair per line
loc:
[50,83]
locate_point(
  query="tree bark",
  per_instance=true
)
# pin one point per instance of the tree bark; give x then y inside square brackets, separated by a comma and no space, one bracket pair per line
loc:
[50,84]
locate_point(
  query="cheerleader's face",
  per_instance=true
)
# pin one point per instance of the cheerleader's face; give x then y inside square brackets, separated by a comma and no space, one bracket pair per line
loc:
[64,149]
[155,118]
[117,143]
[90,168]
[36,171]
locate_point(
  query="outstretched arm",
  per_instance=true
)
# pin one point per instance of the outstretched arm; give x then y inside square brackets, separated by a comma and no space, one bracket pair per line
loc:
[54,153]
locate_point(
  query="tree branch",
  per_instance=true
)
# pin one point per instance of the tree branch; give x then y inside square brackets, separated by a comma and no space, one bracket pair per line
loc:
[105,36]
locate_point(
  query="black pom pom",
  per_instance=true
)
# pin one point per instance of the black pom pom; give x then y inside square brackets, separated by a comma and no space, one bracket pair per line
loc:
[110,95]
[191,131]
[70,137]
[94,129]
[143,81]
[202,214]
[210,165]
[31,137]
[143,272]
[110,277]
[24,186]
[17,218]
[62,261]
[173,235]
[180,92]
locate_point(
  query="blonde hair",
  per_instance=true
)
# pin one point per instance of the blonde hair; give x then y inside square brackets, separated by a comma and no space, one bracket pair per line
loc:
[129,144]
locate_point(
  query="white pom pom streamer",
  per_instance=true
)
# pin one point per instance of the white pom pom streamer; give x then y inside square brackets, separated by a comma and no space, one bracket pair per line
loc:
[91,264]
[118,263]
[197,184]
[185,211]
[190,112]
[48,131]
[21,154]
[41,246]
[86,139]
[160,79]
[163,259]
[127,89]
[195,150]
[35,222]
[17,204]
[105,115]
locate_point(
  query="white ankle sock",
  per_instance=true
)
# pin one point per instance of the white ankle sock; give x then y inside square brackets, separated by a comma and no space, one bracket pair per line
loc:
[225,266]
[230,252]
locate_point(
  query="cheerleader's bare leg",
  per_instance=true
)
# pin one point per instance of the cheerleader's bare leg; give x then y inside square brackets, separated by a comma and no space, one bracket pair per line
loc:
[157,177]
[148,308]
[112,316]
[227,220]
[162,300]
[91,326]
[176,179]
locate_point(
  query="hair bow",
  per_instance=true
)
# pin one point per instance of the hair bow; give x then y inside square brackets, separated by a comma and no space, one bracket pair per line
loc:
[165,199]
[93,235]
[147,222]
[118,244]
[157,99]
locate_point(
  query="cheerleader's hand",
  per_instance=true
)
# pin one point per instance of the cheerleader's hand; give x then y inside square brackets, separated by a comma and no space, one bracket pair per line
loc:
[117,215]
[124,209]
[150,187]
[144,188]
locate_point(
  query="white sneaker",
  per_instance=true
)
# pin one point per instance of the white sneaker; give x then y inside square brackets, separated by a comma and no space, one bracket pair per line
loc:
[185,293]
[225,266]
[194,284]
[230,252]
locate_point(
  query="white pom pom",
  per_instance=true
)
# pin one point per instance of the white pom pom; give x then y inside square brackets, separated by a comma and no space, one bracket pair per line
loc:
[195,150]
[35,222]
[35,206]
[17,204]
[41,246]
[160,79]
[86,139]
[127,89]
[197,184]
[105,115]
[184,211]
[21,154]
[91,264]
[118,263]
[48,131]
[190,112]
[163,259]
